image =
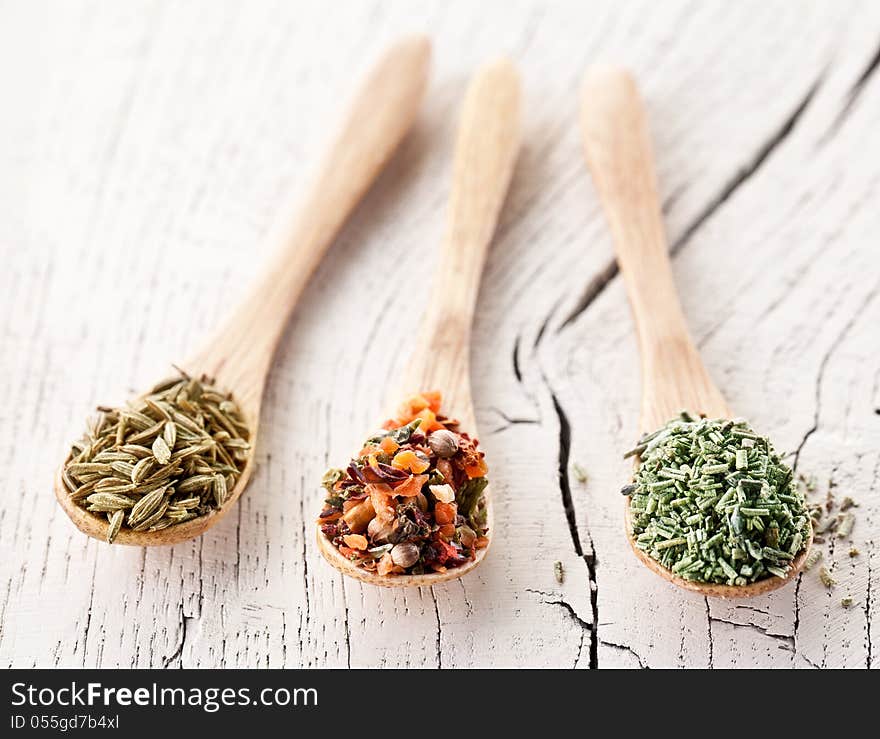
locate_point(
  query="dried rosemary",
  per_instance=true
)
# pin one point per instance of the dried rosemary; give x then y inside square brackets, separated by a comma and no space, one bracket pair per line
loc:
[559,571]
[713,502]
[167,457]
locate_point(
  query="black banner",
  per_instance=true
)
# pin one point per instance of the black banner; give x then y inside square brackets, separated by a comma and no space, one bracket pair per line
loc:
[373,702]
[65,701]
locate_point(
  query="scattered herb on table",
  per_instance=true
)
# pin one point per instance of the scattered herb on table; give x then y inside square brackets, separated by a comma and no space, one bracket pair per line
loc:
[847,503]
[832,519]
[846,602]
[808,481]
[825,577]
[412,500]
[713,502]
[167,457]
[580,474]
[844,525]
[812,558]
[559,571]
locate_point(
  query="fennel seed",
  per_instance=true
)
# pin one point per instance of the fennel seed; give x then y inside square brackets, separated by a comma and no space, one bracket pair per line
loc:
[167,457]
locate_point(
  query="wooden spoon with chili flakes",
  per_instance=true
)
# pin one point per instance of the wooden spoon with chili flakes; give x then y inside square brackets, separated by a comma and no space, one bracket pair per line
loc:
[618,151]
[486,149]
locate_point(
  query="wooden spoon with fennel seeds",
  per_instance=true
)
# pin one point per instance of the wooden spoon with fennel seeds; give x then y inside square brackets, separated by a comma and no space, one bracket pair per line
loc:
[674,378]
[485,154]
[239,356]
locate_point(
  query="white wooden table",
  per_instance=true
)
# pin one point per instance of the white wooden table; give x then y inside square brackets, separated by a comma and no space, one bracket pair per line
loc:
[146,146]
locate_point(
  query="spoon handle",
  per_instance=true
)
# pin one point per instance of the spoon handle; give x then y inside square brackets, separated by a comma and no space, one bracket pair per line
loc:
[485,153]
[382,111]
[618,152]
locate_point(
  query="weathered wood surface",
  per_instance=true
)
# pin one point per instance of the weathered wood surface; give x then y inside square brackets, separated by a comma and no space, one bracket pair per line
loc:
[144,148]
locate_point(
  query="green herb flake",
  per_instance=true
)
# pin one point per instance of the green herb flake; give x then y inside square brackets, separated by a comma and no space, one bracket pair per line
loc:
[846,602]
[812,558]
[559,571]
[713,501]
[825,577]
[580,474]
[845,523]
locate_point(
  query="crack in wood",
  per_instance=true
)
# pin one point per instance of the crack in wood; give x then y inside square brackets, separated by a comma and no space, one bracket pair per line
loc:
[852,96]
[869,596]
[820,375]
[178,652]
[542,329]
[609,271]
[568,504]
[797,608]
[624,648]
[517,372]
[770,145]
[510,421]
[347,626]
[709,632]
[305,560]
[868,657]
[563,604]
[595,287]
[786,638]
[439,641]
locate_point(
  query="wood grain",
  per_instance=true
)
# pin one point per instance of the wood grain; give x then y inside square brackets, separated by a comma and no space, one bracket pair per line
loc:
[146,150]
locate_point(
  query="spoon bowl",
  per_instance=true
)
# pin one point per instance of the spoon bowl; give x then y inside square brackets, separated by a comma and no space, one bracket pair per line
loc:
[239,356]
[618,152]
[488,140]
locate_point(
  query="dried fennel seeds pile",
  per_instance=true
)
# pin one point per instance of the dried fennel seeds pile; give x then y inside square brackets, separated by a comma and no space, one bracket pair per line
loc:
[167,457]
[713,502]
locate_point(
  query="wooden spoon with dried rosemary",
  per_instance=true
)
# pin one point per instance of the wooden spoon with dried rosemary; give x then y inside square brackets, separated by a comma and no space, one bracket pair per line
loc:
[486,150]
[674,378]
[171,464]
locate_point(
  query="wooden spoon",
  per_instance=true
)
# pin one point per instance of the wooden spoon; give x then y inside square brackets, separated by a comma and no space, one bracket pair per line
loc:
[618,152]
[488,141]
[240,354]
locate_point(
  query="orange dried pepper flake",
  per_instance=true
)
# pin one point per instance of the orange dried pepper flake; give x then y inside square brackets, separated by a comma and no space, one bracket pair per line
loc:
[355,541]
[386,564]
[413,486]
[346,551]
[412,407]
[447,531]
[409,460]
[381,500]
[476,467]
[408,409]
[445,513]
[434,398]
[429,421]
[388,445]
[482,542]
